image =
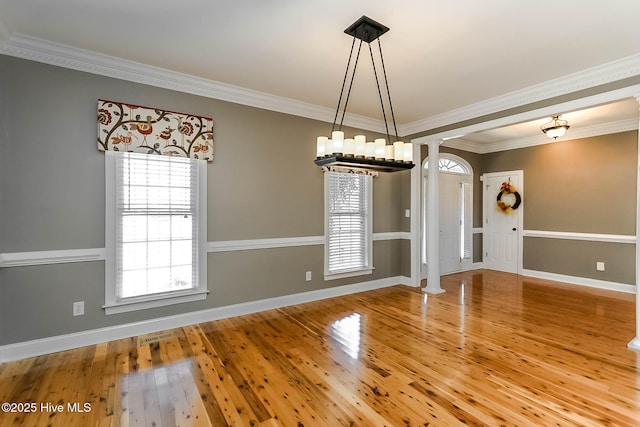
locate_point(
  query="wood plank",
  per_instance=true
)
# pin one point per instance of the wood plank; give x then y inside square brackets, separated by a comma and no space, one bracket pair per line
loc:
[507,351]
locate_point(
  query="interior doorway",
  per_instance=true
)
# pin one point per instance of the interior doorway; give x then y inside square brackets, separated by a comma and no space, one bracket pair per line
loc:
[455,212]
[502,221]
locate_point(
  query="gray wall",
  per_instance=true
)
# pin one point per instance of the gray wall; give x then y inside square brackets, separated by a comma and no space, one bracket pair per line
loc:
[262,184]
[584,186]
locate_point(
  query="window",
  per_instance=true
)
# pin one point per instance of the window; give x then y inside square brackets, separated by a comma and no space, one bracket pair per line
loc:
[465,221]
[450,165]
[155,231]
[348,250]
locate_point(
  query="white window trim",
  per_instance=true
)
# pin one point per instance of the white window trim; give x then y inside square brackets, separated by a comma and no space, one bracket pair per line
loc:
[369,234]
[468,170]
[112,306]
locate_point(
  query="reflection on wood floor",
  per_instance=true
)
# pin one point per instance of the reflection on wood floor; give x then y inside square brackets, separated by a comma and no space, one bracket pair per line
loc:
[495,349]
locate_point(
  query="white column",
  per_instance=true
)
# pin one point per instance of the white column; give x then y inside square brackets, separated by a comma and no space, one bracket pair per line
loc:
[433,220]
[416,213]
[635,343]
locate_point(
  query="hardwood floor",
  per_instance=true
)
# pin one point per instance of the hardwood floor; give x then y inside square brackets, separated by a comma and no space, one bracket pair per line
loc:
[495,349]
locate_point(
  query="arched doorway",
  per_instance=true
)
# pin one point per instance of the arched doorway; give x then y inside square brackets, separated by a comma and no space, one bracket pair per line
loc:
[456,213]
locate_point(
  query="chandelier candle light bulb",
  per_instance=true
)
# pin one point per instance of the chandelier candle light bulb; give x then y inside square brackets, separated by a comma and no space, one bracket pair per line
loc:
[337,136]
[408,152]
[398,151]
[360,141]
[388,155]
[370,150]
[349,147]
[322,143]
[380,150]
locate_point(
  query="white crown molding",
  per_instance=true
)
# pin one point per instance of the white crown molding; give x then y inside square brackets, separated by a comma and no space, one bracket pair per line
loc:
[530,141]
[44,51]
[21,350]
[40,50]
[616,70]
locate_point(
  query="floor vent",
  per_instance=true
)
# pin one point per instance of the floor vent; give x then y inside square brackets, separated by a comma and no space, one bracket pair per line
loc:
[155,337]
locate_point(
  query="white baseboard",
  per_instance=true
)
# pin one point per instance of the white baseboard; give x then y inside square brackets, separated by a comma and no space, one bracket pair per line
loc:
[54,344]
[584,281]
[404,280]
[634,344]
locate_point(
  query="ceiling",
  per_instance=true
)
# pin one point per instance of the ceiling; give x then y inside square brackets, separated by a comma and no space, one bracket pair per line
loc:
[618,116]
[439,56]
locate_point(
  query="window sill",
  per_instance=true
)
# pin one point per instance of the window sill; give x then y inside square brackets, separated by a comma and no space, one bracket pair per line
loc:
[344,275]
[159,301]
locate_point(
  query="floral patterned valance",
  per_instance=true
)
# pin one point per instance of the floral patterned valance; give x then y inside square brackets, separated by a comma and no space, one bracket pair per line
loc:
[128,127]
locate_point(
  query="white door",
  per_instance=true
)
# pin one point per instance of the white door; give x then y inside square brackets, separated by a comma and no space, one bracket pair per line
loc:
[502,242]
[454,202]
[449,224]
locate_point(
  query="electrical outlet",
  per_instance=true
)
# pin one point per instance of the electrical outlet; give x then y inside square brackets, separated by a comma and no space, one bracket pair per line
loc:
[78,308]
[308,276]
[600,266]
[407,213]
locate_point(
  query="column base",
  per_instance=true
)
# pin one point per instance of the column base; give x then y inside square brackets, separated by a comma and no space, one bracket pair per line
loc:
[433,290]
[634,344]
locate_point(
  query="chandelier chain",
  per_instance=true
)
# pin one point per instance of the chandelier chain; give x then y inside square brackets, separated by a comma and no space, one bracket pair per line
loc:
[386,83]
[375,73]
[353,75]
[344,81]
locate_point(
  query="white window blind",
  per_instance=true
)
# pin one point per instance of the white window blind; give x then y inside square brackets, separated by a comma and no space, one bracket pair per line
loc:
[348,227]
[156,226]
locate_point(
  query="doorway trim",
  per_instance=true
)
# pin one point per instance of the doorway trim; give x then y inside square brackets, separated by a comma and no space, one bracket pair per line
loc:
[423,205]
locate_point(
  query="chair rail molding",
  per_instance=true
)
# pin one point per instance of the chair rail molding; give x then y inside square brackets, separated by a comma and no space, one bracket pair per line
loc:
[20,259]
[590,237]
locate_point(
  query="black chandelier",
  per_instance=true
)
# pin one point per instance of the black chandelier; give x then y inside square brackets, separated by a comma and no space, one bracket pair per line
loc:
[357,152]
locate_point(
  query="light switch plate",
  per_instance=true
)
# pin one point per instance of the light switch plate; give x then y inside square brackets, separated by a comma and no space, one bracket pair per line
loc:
[78,308]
